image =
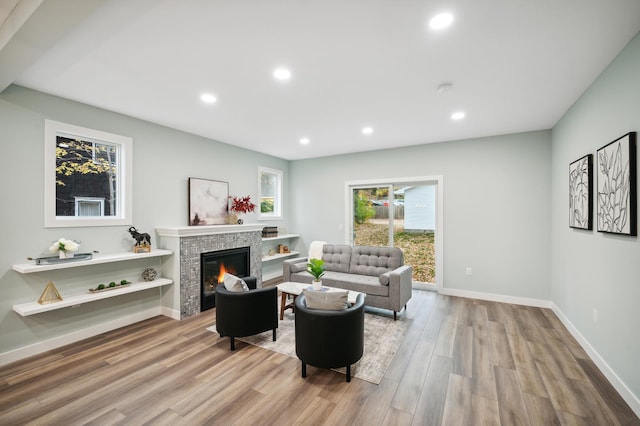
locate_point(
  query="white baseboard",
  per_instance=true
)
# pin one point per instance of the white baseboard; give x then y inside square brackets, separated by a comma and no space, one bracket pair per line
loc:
[171,313]
[629,397]
[56,342]
[538,303]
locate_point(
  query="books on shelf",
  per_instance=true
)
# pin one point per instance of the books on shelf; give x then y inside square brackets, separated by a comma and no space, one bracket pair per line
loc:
[269,231]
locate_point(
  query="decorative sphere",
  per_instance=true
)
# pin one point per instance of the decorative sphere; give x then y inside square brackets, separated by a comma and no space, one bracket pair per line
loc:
[149,274]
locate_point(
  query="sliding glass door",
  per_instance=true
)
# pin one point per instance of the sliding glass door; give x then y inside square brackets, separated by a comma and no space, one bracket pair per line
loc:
[399,214]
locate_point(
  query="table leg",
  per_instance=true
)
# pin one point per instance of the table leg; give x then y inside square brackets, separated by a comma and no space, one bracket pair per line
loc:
[283,302]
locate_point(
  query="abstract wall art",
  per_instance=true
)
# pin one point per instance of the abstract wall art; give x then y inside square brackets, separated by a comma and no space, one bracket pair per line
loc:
[580,193]
[616,186]
[208,202]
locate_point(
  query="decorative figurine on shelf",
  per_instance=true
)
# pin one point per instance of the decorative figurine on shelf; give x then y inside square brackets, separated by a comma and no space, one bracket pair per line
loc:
[149,274]
[143,241]
[239,206]
[50,295]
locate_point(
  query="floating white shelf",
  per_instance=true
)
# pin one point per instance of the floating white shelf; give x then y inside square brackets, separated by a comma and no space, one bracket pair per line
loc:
[27,268]
[281,237]
[31,308]
[280,256]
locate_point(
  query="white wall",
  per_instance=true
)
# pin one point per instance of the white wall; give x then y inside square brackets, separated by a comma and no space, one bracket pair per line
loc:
[591,270]
[163,161]
[496,206]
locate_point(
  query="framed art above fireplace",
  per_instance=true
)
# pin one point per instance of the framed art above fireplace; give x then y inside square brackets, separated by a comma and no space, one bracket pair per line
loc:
[208,202]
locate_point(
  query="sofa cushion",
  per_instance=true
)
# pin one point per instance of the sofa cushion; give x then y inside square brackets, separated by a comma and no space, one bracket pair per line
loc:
[375,261]
[361,283]
[328,300]
[336,257]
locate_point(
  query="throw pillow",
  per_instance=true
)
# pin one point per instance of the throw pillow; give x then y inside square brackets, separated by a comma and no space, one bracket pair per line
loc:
[384,278]
[328,300]
[315,249]
[299,267]
[234,284]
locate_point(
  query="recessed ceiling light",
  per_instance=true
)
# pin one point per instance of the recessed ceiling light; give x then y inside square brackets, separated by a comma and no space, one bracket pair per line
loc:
[440,21]
[208,98]
[367,130]
[304,141]
[282,74]
[457,115]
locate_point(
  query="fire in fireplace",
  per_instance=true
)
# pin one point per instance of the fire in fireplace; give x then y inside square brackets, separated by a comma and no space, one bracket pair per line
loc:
[213,266]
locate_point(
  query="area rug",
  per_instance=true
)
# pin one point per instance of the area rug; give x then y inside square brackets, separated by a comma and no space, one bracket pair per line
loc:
[382,338]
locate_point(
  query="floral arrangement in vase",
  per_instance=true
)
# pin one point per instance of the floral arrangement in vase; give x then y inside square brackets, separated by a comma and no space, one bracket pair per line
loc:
[65,248]
[239,205]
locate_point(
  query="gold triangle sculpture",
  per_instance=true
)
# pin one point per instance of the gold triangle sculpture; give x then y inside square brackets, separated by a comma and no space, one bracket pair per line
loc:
[49,295]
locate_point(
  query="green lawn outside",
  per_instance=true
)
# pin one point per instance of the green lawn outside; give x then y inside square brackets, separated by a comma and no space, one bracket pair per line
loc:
[419,248]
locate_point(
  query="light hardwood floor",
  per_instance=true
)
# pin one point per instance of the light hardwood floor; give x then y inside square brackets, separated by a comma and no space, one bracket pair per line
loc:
[463,362]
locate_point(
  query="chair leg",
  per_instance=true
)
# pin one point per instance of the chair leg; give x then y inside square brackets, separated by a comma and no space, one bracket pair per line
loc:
[274,334]
[233,343]
[349,373]
[304,369]
[395,315]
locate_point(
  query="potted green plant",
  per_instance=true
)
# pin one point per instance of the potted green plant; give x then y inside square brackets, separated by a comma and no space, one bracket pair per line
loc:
[316,268]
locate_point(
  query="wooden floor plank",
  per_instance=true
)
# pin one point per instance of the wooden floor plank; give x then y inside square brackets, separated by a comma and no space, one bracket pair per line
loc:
[463,361]
[431,404]
[457,407]
[510,402]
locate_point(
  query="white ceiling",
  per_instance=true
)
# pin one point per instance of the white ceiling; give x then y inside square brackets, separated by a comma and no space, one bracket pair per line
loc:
[515,66]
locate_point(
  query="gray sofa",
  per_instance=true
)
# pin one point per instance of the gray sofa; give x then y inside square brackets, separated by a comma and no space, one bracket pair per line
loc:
[379,272]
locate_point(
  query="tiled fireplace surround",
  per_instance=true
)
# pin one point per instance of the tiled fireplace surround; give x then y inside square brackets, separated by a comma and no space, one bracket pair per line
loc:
[187,243]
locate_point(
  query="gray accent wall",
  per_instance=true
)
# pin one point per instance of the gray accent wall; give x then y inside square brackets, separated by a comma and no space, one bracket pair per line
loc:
[496,205]
[164,159]
[592,270]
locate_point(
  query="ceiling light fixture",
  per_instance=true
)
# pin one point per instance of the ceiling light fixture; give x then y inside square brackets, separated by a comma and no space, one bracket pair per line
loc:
[443,87]
[440,21]
[458,115]
[282,74]
[208,98]
[367,130]
[304,141]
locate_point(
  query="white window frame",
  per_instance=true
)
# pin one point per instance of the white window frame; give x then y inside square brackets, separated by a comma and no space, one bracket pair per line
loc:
[124,205]
[277,202]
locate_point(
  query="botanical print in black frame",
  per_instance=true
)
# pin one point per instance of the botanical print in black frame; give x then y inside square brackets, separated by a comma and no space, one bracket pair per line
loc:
[616,189]
[208,202]
[580,193]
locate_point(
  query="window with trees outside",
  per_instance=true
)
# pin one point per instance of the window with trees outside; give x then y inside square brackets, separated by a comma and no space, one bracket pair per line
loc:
[270,193]
[87,177]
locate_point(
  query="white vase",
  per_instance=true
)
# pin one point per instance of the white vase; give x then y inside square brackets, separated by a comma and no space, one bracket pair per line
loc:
[65,254]
[317,285]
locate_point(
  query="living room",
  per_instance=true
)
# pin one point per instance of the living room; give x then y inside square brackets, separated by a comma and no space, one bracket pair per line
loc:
[504,214]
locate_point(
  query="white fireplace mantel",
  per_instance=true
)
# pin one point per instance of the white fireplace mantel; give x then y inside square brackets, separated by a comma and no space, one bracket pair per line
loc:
[191,231]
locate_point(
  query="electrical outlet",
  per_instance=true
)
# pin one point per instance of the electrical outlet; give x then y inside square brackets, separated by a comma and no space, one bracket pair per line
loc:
[469,271]
[595,315]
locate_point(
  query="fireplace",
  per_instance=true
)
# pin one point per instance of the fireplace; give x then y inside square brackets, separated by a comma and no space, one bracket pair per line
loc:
[213,266]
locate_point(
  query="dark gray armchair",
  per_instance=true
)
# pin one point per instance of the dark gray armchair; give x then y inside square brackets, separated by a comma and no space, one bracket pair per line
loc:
[329,339]
[246,313]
